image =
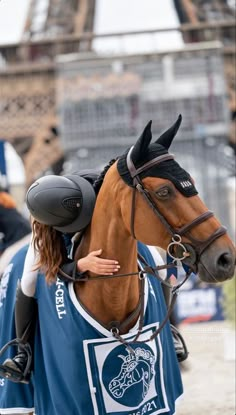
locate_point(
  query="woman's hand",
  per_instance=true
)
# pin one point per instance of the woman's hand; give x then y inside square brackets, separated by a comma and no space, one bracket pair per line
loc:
[99,266]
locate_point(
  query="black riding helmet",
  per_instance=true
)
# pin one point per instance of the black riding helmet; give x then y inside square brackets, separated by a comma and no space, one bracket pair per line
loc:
[64,202]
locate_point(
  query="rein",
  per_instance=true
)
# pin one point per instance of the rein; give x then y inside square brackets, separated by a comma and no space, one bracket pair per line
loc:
[115,327]
[115,330]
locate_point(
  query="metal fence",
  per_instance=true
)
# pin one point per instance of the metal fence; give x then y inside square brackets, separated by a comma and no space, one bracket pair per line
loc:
[105,102]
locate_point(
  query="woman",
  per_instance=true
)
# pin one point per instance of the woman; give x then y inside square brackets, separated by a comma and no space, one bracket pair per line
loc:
[61,208]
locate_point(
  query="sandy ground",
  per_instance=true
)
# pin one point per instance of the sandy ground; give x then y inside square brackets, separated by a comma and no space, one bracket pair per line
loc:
[209,373]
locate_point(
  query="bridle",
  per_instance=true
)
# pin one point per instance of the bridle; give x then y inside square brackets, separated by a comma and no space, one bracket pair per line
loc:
[185,252]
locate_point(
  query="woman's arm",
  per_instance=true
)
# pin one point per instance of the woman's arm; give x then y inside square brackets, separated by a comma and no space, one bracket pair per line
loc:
[73,270]
[30,273]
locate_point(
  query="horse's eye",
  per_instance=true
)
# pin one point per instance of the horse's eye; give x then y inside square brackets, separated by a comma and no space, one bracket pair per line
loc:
[163,193]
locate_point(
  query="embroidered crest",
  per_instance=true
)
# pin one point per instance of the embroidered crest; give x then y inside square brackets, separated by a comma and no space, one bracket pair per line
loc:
[136,368]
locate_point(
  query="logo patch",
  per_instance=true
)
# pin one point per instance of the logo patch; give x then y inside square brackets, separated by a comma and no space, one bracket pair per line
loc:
[122,382]
[59,299]
[135,374]
[186,183]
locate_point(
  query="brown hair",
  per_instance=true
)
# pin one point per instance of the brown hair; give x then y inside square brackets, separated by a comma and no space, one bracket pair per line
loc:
[49,243]
[7,200]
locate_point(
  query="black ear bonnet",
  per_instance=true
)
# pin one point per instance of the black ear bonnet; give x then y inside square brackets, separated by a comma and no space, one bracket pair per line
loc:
[168,169]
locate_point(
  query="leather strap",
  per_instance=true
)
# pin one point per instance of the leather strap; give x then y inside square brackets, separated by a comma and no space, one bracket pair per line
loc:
[157,160]
[201,218]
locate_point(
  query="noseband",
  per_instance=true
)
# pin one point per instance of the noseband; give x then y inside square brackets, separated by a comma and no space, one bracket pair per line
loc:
[188,253]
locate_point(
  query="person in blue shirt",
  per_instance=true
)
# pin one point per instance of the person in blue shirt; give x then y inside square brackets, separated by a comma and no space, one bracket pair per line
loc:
[61,208]
[15,229]
[13,225]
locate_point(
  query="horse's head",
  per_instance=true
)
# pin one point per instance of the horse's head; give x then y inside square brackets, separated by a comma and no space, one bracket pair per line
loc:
[164,208]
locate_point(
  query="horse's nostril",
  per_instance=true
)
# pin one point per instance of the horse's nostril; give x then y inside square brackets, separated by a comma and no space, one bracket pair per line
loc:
[225,261]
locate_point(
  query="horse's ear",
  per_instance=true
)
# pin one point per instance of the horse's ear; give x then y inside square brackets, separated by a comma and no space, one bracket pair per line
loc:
[167,137]
[143,142]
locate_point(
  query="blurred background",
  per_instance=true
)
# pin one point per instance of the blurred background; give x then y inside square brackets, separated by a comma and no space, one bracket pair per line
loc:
[79,79]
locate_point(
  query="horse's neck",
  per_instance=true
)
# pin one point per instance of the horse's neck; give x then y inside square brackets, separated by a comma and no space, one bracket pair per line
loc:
[111,298]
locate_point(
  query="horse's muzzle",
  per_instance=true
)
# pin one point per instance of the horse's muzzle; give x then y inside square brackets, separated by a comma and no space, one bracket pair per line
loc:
[217,266]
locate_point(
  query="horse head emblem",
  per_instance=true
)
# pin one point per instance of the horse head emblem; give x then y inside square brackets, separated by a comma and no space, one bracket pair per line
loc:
[137,367]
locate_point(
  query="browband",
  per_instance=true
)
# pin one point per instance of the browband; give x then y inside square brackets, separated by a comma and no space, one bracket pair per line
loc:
[157,160]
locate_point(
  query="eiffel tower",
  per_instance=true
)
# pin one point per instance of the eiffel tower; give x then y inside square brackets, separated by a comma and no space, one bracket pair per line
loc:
[197,16]
[27,78]
[51,18]
[54,27]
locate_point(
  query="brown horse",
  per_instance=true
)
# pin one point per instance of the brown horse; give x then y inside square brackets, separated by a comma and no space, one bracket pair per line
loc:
[146,195]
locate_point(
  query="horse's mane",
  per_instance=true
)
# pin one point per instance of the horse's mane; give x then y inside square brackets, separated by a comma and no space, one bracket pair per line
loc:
[98,182]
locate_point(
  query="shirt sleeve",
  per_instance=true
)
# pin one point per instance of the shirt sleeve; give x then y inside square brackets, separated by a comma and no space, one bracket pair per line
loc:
[69,272]
[29,276]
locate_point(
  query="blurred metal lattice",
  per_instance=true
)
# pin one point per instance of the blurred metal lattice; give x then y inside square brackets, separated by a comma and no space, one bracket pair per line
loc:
[105,102]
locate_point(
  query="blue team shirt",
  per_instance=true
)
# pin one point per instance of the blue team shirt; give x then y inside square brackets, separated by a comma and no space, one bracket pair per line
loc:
[81,369]
[14,396]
